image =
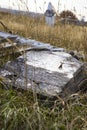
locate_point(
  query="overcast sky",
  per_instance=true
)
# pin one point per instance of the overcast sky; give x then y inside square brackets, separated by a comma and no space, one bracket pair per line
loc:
[79,7]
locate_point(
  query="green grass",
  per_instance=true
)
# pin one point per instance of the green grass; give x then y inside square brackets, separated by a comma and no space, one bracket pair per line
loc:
[23,110]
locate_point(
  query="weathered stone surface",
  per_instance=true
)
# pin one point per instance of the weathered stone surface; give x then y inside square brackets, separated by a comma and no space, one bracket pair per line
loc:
[45,69]
[31,44]
[46,72]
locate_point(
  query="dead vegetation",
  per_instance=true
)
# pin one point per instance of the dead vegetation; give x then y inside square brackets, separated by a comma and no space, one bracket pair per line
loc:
[71,37]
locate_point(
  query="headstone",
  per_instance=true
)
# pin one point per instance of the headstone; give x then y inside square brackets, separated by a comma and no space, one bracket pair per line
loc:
[50,15]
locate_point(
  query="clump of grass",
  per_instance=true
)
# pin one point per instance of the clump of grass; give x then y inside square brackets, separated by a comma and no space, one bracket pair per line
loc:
[19,111]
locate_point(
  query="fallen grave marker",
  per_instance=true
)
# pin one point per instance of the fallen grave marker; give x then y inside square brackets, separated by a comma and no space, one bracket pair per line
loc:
[45,69]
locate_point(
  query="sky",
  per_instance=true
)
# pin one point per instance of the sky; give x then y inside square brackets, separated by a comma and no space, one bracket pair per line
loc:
[79,7]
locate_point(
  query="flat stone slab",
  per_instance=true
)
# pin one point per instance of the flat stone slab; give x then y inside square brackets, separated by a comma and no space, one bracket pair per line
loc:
[31,44]
[48,73]
[45,69]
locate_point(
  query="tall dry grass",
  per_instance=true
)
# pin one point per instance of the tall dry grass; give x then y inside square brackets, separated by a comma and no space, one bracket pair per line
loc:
[71,37]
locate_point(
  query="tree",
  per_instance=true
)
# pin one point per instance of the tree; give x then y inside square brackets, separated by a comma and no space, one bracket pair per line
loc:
[68,14]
